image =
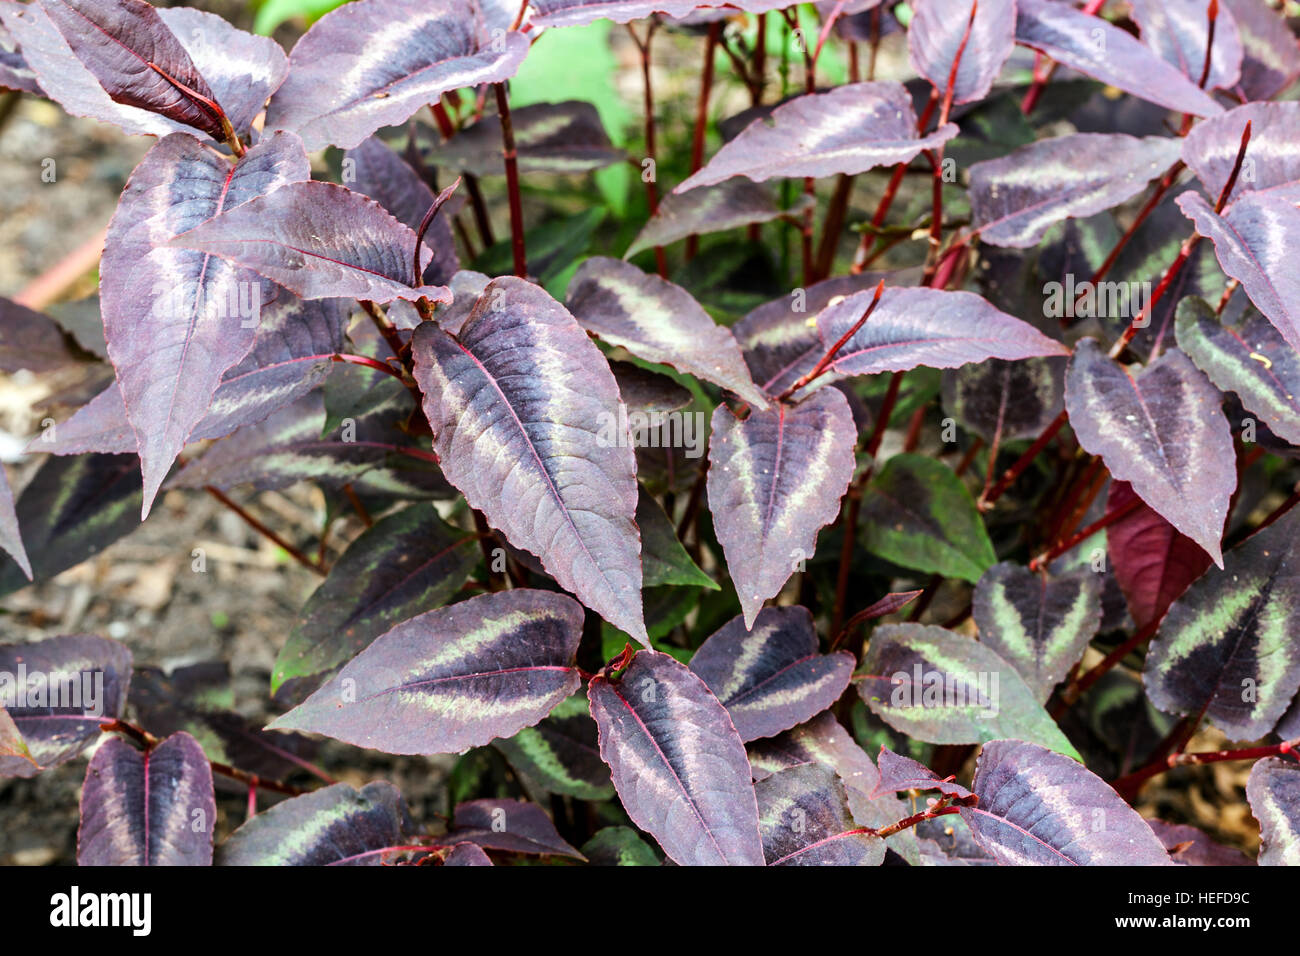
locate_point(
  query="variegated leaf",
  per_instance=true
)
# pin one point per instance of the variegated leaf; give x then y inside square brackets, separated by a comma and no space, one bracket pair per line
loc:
[510,825]
[1163,431]
[1274,794]
[984,33]
[619,846]
[1270,164]
[1040,625]
[561,754]
[678,764]
[772,678]
[730,204]
[1272,61]
[452,678]
[1012,400]
[1227,647]
[524,412]
[565,138]
[775,479]
[147,809]
[1178,31]
[804,818]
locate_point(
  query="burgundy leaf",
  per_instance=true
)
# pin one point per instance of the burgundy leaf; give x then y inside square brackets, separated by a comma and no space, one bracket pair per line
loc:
[374,63]
[1274,793]
[382,175]
[808,136]
[1210,149]
[524,415]
[899,773]
[1272,57]
[11,538]
[1104,52]
[15,74]
[659,322]
[1189,846]
[728,205]
[510,825]
[930,327]
[1154,563]
[1163,432]
[321,241]
[891,602]
[151,808]
[775,479]
[334,826]
[1017,197]
[678,764]
[31,340]
[466,854]
[772,678]
[1178,29]
[57,692]
[1012,400]
[805,820]
[452,678]
[940,28]
[564,138]
[1254,240]
[1039,808]
[176,320]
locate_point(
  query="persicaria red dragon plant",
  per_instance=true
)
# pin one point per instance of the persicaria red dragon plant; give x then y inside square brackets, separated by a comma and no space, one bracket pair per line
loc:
[917,486]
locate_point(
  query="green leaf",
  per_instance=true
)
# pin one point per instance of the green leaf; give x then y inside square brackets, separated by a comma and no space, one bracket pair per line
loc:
[619,846]
[919,515]
[272,13]
[551,247]
[663,558]
[561,754]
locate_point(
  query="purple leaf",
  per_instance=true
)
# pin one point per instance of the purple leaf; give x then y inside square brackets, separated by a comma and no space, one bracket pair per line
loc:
[137,59]
[1226,648]
[1274,794]
[659,322]
[1254,240]
[374,63]
[15,74]
[509,825]
[730,204]
[321,241]
[386,178]
[452,678]
[775,479]
[1038,808]
[1039,625]
[176,320]
[334,826]
[946,688]
[31,340]
[575,13]
[1178,29]
[11,538]
[153,808]
[930,327]
[1272,57]
[524,415]
[772,678]
[938,30]
[1016,198]
[804,818]
[12,745]
[57,692]
[1013,400]
[808,136]
[1210,149]
[466,854]
[899,774]
[1154,563]
[1189,846]
[1104,52]
[678,764]
[561,754]
[562,138]
[1163,432]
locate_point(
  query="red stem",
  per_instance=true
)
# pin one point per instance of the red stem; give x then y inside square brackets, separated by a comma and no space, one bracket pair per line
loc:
[702,117]
[266,532]
[511,157]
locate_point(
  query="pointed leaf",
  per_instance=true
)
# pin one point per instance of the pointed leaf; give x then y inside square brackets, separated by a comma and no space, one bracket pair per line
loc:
[57,692]
[1163,432]
[1154,563]
[374,63]
[678,764]
[147,809]
[1178,31]
[1226,648]
[168,318]
[899,774]
[522,406]
[775,480]
[1010,399]
[321,241]
[808,136]
[1104,52]
[1039,625]
[1274,794]
[562,138]
[12,745]
[334,826]
[664,560]
[1016,198]
[510,825]
[659,322]
[939,28]
[772,678]
[561,754]
[1253,241]
[31,340]
[805,821]
[1037,808]
[407,563]
[945,688]
[1272,60]
[466,854]
[918,514]
[1189,846]
[452,678]
[730,204]
[1211,148]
